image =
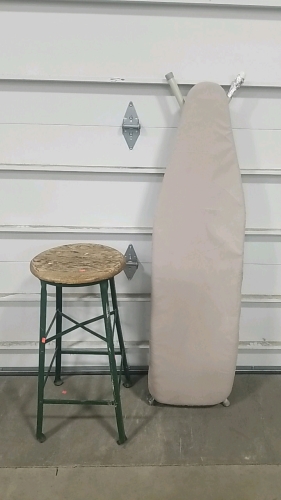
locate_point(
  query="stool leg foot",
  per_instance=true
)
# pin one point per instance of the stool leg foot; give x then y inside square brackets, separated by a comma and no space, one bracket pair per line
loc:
[120,424]
[128,382]
[112,363]
[123,441]
[42,340]
[58,382]
[41,438]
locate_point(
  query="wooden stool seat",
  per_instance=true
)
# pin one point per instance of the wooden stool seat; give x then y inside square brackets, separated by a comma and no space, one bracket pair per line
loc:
[77,264]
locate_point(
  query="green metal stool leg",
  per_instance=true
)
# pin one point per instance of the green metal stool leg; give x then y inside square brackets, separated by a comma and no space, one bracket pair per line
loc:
[128,382]
[58,380]
[112,362]
[43,311]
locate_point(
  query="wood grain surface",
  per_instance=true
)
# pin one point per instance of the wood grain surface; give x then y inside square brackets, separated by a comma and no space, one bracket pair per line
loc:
[77,264]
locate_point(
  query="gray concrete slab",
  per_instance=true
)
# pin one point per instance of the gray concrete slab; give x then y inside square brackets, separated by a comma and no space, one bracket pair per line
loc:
[143,483]
[248,432]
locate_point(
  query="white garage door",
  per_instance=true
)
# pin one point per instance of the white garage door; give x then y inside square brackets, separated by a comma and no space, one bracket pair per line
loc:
[67,75]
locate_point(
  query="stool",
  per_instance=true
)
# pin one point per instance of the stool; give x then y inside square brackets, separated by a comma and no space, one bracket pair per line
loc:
[79,265]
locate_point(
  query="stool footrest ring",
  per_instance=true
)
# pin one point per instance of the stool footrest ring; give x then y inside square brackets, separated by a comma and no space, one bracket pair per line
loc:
[96,402]
[98,352]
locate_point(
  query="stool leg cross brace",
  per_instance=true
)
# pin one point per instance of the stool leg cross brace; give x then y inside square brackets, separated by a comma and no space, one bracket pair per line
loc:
[110,351]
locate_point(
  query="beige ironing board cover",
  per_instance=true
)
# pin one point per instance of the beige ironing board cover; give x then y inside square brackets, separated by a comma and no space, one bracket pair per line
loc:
[198,240]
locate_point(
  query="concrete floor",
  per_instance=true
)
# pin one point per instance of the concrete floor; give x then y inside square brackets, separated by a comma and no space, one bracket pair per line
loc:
[143,483]
[239,446]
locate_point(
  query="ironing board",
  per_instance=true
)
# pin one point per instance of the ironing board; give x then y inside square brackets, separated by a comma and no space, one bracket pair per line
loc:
[198,240]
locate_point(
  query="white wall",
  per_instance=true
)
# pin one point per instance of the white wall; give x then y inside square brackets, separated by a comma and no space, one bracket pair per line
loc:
[67,73]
